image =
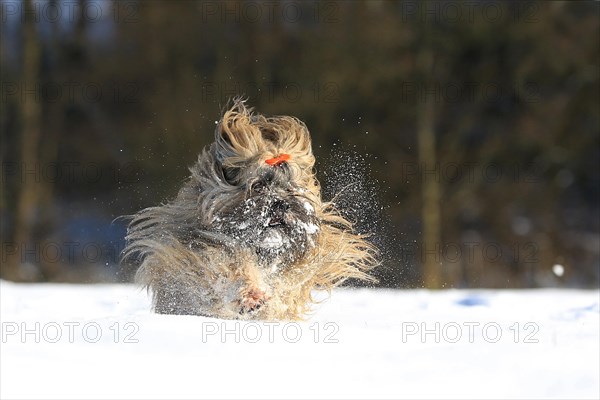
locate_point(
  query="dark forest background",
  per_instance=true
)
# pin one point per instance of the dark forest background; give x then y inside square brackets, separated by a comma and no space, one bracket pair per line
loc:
[469,131]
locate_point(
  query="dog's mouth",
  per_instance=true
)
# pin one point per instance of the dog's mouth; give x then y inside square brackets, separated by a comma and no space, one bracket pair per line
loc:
[275,222]
[275,225]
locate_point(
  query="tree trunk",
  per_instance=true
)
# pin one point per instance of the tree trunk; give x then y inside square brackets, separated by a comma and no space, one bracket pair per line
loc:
[28,204]
[430,182]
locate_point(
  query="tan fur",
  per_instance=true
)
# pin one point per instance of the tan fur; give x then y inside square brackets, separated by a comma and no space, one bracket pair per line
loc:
[193,268]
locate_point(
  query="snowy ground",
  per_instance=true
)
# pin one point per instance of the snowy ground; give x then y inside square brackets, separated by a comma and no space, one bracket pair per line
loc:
[101,341]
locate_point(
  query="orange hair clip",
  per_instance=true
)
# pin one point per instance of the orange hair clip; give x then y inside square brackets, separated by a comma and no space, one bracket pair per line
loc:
[280,159]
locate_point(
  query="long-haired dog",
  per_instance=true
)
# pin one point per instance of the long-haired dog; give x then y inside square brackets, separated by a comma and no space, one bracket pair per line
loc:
[248,236]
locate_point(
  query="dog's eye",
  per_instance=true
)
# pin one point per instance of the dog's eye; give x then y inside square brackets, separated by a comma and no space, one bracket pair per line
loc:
[230,175]
[258,186]
[269,176]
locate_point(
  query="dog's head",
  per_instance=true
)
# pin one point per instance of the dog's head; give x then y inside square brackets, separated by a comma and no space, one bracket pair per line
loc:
[266,165]
[273,151]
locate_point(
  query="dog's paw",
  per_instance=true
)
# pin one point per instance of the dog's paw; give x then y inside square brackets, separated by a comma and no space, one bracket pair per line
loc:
[252,300]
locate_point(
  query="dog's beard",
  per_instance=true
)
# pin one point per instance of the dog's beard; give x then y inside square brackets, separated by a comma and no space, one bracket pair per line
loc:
[279,225]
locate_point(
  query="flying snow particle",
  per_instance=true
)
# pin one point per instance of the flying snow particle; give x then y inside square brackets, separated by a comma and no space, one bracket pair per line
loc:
[308,207]
[558,269]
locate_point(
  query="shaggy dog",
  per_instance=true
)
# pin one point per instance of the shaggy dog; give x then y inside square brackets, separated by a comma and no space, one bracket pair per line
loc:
[248,236]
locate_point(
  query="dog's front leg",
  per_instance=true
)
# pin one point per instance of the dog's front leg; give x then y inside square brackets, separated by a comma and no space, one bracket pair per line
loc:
[253,292]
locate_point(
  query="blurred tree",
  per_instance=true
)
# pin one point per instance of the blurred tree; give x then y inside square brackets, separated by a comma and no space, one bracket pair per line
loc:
[29,188]
[430,184]
[516,91]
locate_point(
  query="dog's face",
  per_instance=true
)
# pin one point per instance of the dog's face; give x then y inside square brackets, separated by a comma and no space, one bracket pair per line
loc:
[251,147]
[267,165]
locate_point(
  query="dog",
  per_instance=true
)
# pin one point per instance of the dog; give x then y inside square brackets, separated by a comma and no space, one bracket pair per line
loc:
[248,236]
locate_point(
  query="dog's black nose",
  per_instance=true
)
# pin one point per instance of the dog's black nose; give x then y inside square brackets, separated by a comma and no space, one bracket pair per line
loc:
[278,210]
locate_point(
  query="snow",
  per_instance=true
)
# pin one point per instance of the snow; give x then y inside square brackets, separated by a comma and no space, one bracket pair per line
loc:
[308,207]
[272,240]
[358,344]
[558,269]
